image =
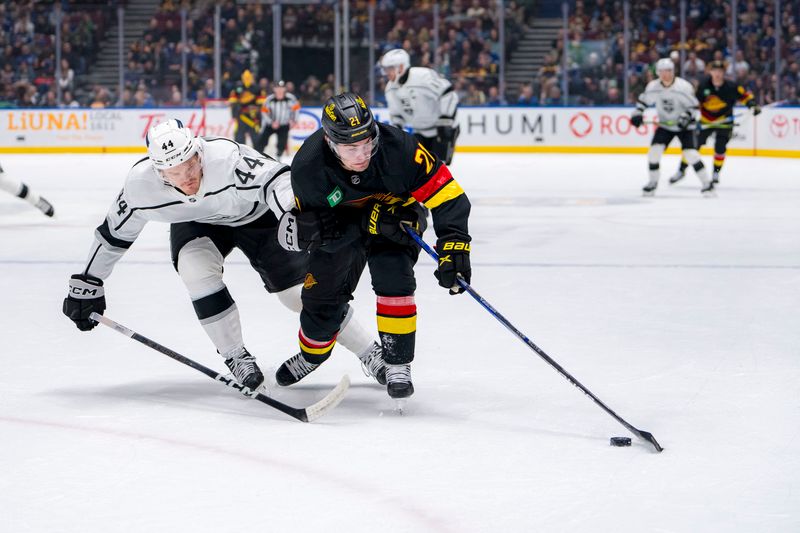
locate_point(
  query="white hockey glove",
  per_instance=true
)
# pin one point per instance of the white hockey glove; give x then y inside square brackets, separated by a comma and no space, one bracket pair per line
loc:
[307,231]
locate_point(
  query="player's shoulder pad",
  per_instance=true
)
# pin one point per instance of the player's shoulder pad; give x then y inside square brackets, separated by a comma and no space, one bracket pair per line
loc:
[682,84]
[426,77]
[653,85]
[142,180]
[310,155]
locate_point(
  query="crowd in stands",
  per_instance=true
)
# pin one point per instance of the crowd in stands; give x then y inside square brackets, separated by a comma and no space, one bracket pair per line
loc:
[468,51]
[595,48]
[28,58]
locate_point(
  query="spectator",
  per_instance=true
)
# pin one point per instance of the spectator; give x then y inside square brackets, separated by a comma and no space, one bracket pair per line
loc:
[526,96]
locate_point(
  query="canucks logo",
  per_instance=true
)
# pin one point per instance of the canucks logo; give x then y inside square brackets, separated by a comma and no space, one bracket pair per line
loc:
[329,112]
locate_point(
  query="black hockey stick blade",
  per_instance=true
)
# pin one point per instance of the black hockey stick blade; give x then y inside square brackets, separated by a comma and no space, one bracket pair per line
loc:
[307,414]
[644,435]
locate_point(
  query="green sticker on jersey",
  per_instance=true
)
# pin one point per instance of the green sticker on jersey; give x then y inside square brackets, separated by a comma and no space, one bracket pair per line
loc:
[335,197]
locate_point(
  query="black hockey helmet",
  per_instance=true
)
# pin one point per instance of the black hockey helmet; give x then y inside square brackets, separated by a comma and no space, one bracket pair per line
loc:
[347,119]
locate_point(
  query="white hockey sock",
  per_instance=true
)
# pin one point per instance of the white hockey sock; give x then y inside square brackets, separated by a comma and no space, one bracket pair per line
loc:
[290,298]
[225,331]
[18,189]
[353,336]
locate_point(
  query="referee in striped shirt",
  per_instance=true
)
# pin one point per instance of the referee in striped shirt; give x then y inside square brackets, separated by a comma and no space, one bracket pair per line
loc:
[278,115]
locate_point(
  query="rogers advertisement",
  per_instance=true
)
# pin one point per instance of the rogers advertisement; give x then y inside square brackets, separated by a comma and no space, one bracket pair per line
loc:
[775,132]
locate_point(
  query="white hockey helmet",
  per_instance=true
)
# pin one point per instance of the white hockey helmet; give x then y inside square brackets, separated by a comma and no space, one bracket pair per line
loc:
[169,144]
[396,58]
[665,63]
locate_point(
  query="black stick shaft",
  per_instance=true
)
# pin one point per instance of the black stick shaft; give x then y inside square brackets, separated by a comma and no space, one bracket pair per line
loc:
[299,414]
[644,435]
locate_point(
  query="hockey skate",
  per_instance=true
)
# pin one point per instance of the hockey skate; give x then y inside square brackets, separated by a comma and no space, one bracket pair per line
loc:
[398,381]
[678,176]
[650,188]
[708,191]
[245,370]
[45,207]
[372,363]
[293,370]
[715,177]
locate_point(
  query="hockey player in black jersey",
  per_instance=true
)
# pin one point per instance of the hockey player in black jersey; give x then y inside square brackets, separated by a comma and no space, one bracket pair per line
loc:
[717,97]
[354,181]
[217,195]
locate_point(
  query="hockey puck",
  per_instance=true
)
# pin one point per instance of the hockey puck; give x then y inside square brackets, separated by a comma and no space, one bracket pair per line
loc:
[620,441]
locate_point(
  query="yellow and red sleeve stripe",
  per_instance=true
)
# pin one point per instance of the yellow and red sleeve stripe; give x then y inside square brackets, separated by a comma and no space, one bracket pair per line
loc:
[310,346]
[439,189]
[744,95]
[397,314]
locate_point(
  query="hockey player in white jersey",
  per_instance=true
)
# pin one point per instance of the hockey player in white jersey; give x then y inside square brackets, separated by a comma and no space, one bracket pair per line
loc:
[676,104]
[217,195]
[23,192]
[422,99]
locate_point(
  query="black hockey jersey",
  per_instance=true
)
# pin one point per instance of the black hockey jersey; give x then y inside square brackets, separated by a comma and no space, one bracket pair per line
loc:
[401,172]
[716,103]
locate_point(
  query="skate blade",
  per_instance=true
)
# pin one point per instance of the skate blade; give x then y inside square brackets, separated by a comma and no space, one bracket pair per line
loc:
[400,405]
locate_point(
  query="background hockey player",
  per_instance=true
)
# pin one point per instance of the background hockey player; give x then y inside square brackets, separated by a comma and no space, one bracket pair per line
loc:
[717,97]
[278,116]
[218,195]
[364,172]
[420,98]
[22,191]
[676,105]
[245,101]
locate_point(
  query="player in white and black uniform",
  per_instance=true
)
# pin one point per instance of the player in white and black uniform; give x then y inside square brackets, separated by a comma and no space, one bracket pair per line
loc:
[676,105]
[217,195]
[278,115]
[422,99]
[22,191]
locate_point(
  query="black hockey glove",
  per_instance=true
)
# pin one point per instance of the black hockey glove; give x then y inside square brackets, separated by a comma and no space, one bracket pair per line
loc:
[453,260]
[306,231]
[754,107]
[637,120]
[85,296]
[446,136]
[685,120]
[385,220]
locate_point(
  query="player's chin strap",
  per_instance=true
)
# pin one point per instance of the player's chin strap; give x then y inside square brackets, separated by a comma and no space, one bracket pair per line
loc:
[644,435]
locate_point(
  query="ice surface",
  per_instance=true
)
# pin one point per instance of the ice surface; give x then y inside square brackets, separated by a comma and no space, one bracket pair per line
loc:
[679,312]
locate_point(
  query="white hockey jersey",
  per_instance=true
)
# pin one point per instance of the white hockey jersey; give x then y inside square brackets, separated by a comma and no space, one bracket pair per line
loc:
[671,102]
[422,99]
[238,186]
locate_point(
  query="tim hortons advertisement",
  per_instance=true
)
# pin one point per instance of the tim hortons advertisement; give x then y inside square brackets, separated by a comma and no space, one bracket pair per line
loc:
[775,132]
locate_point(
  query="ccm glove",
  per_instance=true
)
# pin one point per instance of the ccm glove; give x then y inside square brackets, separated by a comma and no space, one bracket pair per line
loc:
[754,107]
[453,260]
[86,295]
[385,220]
[637,120]
[307,231]
[684,120]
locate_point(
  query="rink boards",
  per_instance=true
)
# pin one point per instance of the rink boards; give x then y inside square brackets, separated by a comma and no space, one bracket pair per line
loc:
[775,132]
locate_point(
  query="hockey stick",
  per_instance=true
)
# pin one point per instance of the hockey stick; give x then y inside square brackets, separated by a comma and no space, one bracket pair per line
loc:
[308,414]
[644,435]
